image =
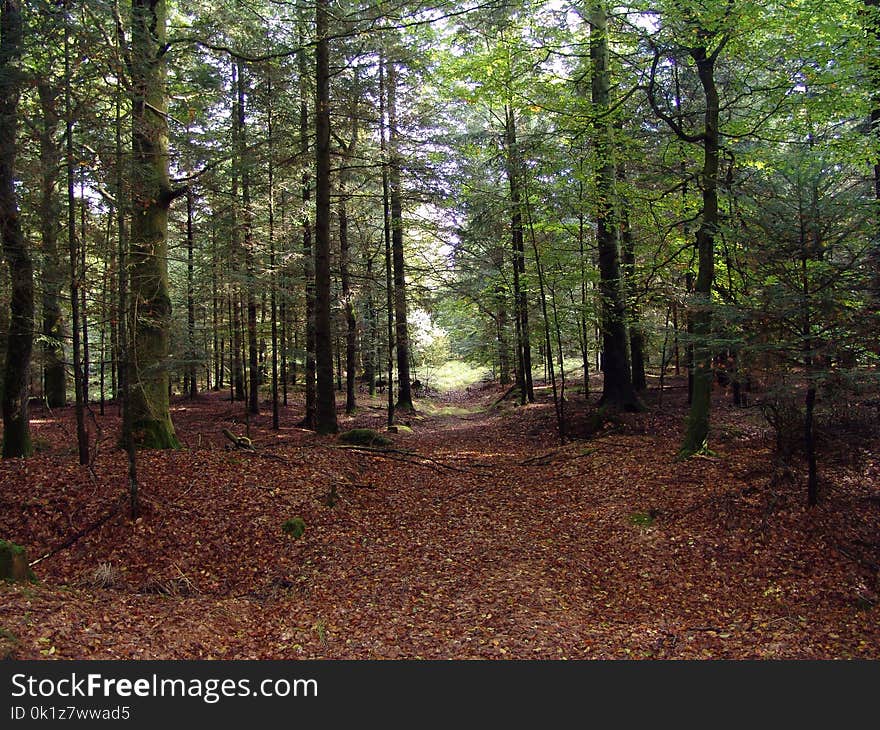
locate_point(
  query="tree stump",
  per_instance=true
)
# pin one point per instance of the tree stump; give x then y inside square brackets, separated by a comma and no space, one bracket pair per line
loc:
[14,566]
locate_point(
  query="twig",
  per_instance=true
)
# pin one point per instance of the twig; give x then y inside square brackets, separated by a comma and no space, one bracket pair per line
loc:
[82,533]
[733,493]
[396,457]
[392,452]
[539,458]
[264,455]
[856,559]
[705,457]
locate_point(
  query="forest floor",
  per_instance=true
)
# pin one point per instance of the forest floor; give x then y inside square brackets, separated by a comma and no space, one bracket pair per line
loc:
[478,536]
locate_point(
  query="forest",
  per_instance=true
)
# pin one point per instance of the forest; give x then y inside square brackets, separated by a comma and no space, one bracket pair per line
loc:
[511,329]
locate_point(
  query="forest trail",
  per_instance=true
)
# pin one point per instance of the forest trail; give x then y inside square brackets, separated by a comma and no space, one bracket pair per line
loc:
[479,535]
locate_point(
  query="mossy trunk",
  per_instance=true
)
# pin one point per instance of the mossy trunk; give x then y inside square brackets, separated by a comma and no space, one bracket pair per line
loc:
[14,566]
[151,197]
[697,435]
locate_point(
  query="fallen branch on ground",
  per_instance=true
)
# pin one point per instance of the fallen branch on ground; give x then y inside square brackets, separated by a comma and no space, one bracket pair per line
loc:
[398,453]
[506,393]
[240,442]
[78,535]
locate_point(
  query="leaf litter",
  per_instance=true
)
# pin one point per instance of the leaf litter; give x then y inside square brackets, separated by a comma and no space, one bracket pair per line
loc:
[477,535]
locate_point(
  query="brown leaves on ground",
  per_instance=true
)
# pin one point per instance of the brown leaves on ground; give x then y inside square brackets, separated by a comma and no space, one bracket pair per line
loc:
[478,535]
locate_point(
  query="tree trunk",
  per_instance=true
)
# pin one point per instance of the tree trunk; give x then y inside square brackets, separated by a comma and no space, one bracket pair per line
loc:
[283,306]
[83,274]
[548,347]
[520,297]
[270,139]
[249,244]
[82,438]
[500,306]
[124,369]
[563,423]
[105,315]
[372,327]
[310,373]
[16,424]
[386,231]
[54,373]
[151,196]
[617,388]
[582,314]
[235,255]
[325,400]
[124,323]
[215,308]
[344,272]
[190,384]
[404,387]
[636,335]
[872,8]
[350,321]
[697,434]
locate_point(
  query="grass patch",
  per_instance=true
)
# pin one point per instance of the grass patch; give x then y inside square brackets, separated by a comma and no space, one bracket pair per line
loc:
[454,375]
[641,519]
[434,409]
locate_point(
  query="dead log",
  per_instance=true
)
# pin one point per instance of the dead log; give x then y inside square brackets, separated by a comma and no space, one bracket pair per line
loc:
[240,442]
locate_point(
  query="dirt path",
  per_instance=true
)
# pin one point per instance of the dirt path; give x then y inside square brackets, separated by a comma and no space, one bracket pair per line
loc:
[485,538]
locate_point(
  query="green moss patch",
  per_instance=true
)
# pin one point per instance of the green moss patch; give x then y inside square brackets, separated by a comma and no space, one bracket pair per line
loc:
[364,437]
[295,527]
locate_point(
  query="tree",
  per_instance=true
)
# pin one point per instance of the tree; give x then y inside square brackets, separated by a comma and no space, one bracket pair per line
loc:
[617,389]
[806,289]
[325,401]
[54,373]
[347,149]
[710,35]
[16,423]
[310,374]
[151,196]
[401,333]
[872,12]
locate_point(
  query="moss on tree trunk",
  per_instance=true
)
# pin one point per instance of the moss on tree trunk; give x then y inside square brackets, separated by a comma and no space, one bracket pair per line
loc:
[697,435]
[151,197]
